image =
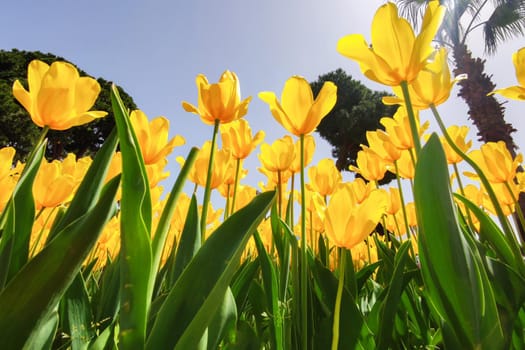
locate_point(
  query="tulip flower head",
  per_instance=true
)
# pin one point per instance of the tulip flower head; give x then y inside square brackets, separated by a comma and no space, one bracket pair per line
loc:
[496,162]
[153,137]
[297,111]
[324,178]
[279,155]
[52,186]
[220,101]
[58,98]
[237,137]
[516,92]
[431,87]
[348,223]
[398,128]
[396,54]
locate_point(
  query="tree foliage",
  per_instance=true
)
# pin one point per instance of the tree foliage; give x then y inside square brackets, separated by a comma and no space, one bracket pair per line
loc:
[20,132]
[358,110]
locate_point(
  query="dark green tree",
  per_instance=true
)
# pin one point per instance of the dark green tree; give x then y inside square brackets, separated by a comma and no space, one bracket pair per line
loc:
[20,132]
[357,110]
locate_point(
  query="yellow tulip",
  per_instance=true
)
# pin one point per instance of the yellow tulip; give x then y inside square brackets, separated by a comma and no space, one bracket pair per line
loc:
[220,101]
[431,87]
[369,165]
[7,176]
[398,128]
[58,98]
[495,161]
[458,135]
[324,178]
[405,165]
[153,137]
[156,173]
[76,167]
[379,141]
[279,155]
[396,54]
[52,186]
[298,112]
[348,223]
[360,189]
[237,137]
[394,201]
[516,92]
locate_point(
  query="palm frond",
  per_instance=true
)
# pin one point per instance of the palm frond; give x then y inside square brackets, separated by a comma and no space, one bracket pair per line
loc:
[506,21]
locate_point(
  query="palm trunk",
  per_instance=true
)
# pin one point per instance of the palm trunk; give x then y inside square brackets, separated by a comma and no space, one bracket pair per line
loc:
[486,112]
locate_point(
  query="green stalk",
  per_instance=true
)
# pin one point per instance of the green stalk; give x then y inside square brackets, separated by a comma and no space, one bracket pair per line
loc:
[304,255]
[207,189]
[236,183]
[402,197]
[517,205]
[41,138]
[411,117]
[337,308]
[501,216]
[462,191]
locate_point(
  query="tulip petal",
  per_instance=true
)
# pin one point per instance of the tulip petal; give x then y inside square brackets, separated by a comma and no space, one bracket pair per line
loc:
[518,58]
[392,37]
[86,93]
[322,105]
[22,96]
[296,100]
[512,92]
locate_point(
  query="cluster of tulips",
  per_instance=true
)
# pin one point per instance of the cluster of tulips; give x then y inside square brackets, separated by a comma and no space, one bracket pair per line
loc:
[95,255]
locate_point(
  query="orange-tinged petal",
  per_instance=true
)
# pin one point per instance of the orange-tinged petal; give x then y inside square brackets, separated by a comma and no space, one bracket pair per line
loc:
[23,96]
[35,74]
[86,93]
[512,92]
[323,104]
[518,58]
[296,100]
[392,37]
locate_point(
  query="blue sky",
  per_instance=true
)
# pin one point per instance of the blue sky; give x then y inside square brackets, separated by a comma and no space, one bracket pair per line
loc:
[154,49]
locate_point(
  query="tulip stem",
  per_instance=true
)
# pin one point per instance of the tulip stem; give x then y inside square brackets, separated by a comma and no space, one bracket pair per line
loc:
[235,183]
[411,117]
[402,198]
[516,205]
[337,308]
[490,191]
[304,255]
[207,189]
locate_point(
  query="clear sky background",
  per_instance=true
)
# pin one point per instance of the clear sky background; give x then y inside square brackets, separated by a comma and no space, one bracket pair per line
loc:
[154,49]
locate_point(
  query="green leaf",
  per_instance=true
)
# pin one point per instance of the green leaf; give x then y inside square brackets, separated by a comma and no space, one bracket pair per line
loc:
[391,302]
[35,291]
[19,215]
[223,321]
[453,273]
[271,288]
[163,224]
[79,317]
[492,234]
[351,324]
[190,242]
[136,270]
[197,294]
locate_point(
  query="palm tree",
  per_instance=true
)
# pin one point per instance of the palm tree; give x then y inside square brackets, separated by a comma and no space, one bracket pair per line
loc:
[505,20]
